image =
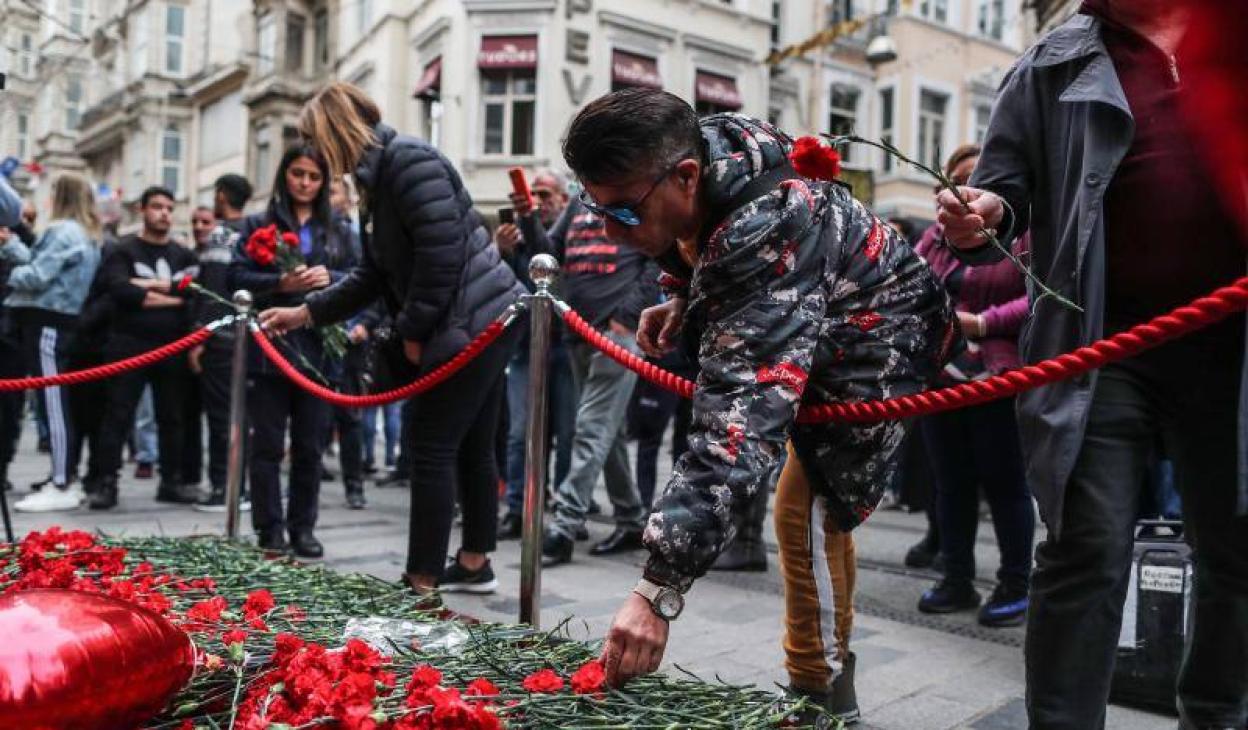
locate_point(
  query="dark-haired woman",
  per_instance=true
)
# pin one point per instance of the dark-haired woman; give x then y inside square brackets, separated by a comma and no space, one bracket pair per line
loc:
[428,256]
[300,205]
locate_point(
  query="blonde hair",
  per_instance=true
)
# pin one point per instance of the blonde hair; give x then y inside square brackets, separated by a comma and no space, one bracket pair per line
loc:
[338,121]
[72,199]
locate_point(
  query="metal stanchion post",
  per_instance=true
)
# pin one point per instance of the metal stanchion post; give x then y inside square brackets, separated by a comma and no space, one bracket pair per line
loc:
[238,392]
[542,269]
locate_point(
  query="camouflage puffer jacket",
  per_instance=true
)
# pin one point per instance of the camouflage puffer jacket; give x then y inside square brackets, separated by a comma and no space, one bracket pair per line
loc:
[800,295]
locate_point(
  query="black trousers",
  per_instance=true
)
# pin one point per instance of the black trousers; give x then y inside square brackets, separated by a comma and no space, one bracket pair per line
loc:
[348,422]
[273,402]
[1187,395]
[45,345]
[12,403]
[192,434]
[972,449]
[171,383]
[451,434]
[214,387]
[651,409]
[86,401]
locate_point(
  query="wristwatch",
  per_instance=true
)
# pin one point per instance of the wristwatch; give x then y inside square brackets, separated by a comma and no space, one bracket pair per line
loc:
[667,603]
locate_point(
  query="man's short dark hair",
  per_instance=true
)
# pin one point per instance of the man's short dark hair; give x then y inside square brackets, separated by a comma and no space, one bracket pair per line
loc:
[153,191]
[630,132]
[235,188]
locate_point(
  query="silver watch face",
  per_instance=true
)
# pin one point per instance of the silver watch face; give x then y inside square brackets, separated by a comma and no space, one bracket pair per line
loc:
[669,603]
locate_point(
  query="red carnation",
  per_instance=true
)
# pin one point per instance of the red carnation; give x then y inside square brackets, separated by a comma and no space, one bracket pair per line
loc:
[815,161]
[261,245]
[290,239]
[258,603]
[207,611]
[185,282]
[481,687]
[233,636]
[589,679]
[543,681]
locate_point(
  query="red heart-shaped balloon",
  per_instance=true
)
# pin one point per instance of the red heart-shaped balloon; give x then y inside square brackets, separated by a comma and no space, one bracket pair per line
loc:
[85,661]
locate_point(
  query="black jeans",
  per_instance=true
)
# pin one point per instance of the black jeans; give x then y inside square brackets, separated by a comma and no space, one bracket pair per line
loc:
[12,403]
[976,448]
[649,413]
[450,434]
[272,403]
[348,422]
[1187,396]
[85,404]
[171,382]
[214,386]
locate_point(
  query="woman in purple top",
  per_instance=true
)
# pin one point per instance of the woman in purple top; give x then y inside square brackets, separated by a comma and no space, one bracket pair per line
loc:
[978,446]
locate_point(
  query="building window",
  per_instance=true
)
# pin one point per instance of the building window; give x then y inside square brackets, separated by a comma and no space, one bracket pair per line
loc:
[320,38]
[777,12]
[432,111]
[266,44]
[73,101]
[363,16]
[509,99]
[26,60]
[983,113]
[171,158]
[886,125]
[23,136]
[294,42]
[840,11]
[77,15]
[224,129]
[937,10]
[175,38]
[264,159]
[843,113]
[138,45]
[991,19]
[932,107]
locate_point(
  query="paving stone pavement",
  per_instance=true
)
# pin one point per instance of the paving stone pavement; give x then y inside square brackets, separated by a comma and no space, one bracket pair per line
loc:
[914,672]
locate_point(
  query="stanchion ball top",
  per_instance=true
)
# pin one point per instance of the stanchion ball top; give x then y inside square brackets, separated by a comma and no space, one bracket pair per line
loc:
[543,269]
[243,299]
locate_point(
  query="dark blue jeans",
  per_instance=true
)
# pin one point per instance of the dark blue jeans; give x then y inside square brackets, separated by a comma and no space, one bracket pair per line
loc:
[972,449]
[561,421]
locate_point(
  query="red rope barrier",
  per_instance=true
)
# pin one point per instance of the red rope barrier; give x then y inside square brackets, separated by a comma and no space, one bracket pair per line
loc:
[1183,320]
[419,385]
[75,377]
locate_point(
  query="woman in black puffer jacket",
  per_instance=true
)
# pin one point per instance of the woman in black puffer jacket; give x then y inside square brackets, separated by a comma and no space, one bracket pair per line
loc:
[429,258]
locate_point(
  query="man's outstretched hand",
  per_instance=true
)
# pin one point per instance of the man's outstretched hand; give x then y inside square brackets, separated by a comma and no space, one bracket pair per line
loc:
[962,224]
[635,643]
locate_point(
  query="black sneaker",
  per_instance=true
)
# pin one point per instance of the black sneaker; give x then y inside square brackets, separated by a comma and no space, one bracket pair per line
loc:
[177,493]
[1006,607]
[556,550]
[510,527]
[835,708]
[273,542]
[923,553]
[355,497]
[214,502]
[458,579]
[948,597]
[305,545]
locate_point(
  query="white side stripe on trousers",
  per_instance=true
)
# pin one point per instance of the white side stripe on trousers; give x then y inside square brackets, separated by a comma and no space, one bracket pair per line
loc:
[823,584]
[57,430]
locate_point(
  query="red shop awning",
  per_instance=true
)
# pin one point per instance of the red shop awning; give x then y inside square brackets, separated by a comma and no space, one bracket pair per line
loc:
[629,69]
[430,81]
[716,89]
[512,51]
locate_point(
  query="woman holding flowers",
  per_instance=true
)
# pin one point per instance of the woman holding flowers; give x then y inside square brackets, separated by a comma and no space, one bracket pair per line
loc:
[294,247]
[429,258]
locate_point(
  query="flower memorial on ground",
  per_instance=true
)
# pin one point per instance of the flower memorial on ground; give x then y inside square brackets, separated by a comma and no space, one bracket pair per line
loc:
[276,652]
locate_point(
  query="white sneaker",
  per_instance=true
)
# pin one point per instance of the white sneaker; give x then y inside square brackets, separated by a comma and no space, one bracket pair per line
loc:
[53,499]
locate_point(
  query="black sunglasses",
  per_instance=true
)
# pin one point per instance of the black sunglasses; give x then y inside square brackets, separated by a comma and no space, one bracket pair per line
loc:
[627,213]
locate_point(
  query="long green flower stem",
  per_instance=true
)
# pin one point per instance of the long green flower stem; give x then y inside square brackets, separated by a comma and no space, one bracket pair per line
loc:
[947,184]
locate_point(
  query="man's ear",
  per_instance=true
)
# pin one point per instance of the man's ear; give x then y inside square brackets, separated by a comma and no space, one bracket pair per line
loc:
[688,174]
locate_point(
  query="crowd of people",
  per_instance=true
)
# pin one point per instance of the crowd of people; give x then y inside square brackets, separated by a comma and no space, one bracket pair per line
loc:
[699,243]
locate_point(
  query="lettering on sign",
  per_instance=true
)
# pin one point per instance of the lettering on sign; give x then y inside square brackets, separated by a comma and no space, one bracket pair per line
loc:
[1161,579]
[576,90]
[578,46]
